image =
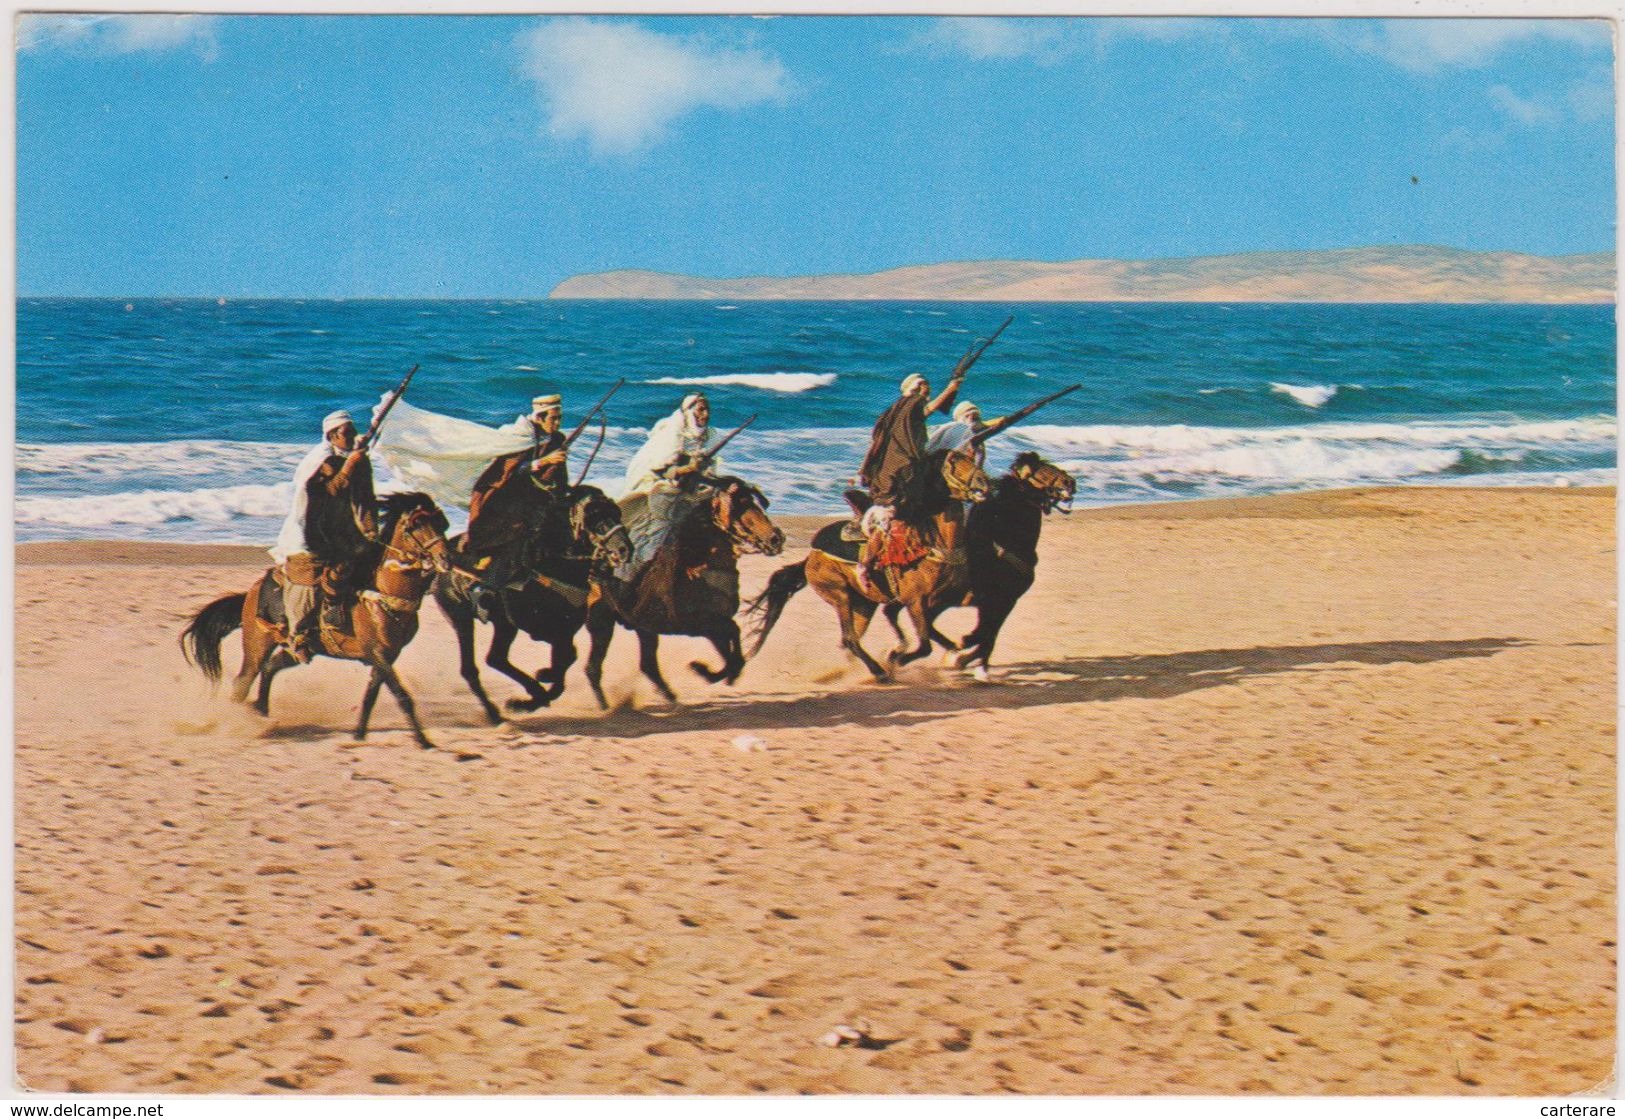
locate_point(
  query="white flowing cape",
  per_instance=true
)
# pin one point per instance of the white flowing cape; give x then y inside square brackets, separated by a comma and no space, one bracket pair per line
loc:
[442,455]
[291,540]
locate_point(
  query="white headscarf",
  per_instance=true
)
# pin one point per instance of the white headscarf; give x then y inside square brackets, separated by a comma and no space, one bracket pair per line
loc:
[675,435]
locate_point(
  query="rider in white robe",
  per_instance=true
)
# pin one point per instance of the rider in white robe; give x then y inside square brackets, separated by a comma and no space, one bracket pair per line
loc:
[657,477]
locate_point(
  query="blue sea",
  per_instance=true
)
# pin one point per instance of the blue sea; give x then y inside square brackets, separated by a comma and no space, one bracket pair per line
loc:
[182,419]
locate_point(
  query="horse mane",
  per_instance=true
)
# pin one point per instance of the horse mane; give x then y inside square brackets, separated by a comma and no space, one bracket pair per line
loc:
[394,506]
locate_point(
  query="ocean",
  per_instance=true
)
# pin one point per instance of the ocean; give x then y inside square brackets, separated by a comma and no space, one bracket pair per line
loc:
[182,419]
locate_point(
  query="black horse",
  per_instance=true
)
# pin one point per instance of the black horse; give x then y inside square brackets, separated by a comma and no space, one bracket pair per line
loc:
[569,551]
[1001,545]
[690,586]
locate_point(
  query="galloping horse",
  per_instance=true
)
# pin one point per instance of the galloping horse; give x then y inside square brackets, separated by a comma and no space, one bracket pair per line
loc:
[383,619]
[1001,544]
[690,586]
[551,606]
[948,480]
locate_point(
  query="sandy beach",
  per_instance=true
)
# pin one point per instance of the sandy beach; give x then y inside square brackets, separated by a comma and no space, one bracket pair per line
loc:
[1304,794]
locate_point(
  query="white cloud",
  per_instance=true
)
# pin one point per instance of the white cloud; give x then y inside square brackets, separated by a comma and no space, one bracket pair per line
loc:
[119,34]
[1524,110]
[1431,45]
[983,38]
[619,86]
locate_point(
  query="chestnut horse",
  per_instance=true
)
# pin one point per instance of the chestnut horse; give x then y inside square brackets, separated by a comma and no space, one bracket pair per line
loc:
[690,586]
[383,619]
[949,479]
[551,606]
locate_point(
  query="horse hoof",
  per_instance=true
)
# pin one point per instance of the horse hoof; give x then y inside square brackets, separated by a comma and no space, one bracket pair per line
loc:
[979,674]
[469,756]
[525,704]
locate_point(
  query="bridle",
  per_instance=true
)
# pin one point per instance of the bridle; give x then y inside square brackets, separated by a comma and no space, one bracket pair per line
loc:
[965,480]
[723,502]
[415,528]
[1053,486]
[600,536]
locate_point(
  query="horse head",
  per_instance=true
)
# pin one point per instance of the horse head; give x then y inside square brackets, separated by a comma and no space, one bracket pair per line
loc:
[596,529]
[739,511]
[413,530]
[964,479]
[1053,487]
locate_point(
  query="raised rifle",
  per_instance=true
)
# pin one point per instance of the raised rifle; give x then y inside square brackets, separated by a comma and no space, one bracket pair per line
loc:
[1004,422]
[977,350]
[603,429]
[383,410]
[582,426]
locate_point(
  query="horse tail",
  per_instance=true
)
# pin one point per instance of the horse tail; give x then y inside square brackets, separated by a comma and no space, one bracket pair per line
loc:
[766,607]
[200,641]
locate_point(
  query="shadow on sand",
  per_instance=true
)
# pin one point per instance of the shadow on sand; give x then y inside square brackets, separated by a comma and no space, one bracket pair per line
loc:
[1024,684]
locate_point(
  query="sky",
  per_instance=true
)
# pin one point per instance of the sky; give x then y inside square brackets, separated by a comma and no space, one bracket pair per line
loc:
[495,156]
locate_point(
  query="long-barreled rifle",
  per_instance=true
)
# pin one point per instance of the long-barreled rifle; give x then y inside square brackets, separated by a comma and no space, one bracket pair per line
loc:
[383,410]
[1004,422]
[596,408]
[603,429]
[708,457]
[977,350]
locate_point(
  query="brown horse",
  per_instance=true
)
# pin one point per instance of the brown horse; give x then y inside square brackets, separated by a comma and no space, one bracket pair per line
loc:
[690,587]
[383,619]
[1001,544]
[949,479]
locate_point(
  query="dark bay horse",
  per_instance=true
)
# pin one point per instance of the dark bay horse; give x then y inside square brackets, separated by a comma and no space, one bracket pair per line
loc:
[689,587]
[551,607]
[1001,546]
[383,619]
[948,479]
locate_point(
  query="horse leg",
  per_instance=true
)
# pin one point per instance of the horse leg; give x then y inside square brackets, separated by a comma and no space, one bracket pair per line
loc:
[564,655]
[368,698]
[383,671]
[461,617]
[891,610]
[497,657]
[601,629]
[990,620]
[649,663]
[855,613]
[258,643]
[916,616]
[726,638]
[279,659]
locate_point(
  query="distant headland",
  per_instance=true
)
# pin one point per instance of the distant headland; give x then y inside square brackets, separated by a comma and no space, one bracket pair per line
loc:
[1381,274]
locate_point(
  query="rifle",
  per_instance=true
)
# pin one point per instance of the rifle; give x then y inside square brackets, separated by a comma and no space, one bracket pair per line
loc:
[582,426]
[708,456]
[383,410]
[977,350]
[1018,415]
[603,429]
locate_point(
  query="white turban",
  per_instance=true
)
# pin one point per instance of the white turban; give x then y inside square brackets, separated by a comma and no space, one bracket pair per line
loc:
[965,408]
[910,382]
[335,420]
[690,400]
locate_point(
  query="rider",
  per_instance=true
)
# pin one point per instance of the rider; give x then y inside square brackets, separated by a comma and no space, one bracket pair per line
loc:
[670,472]
[329,528]
[967,423]
[896,450]
[510,500]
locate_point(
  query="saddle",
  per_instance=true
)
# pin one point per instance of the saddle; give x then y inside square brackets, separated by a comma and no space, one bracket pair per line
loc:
[898,545]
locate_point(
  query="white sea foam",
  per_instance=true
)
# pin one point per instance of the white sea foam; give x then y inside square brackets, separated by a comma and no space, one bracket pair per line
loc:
[774,382]
[195,458]
[218,506]
[1310,396]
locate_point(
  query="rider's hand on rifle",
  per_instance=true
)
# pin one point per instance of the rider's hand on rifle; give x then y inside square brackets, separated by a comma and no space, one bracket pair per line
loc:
[552,458]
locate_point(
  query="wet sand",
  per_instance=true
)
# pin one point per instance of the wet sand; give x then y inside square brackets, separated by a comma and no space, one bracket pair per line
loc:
[1307,794]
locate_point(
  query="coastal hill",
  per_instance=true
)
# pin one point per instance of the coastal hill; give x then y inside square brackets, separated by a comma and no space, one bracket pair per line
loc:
[1385,274]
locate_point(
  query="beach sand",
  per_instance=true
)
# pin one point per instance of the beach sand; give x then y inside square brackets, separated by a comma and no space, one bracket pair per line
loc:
[1304,794]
